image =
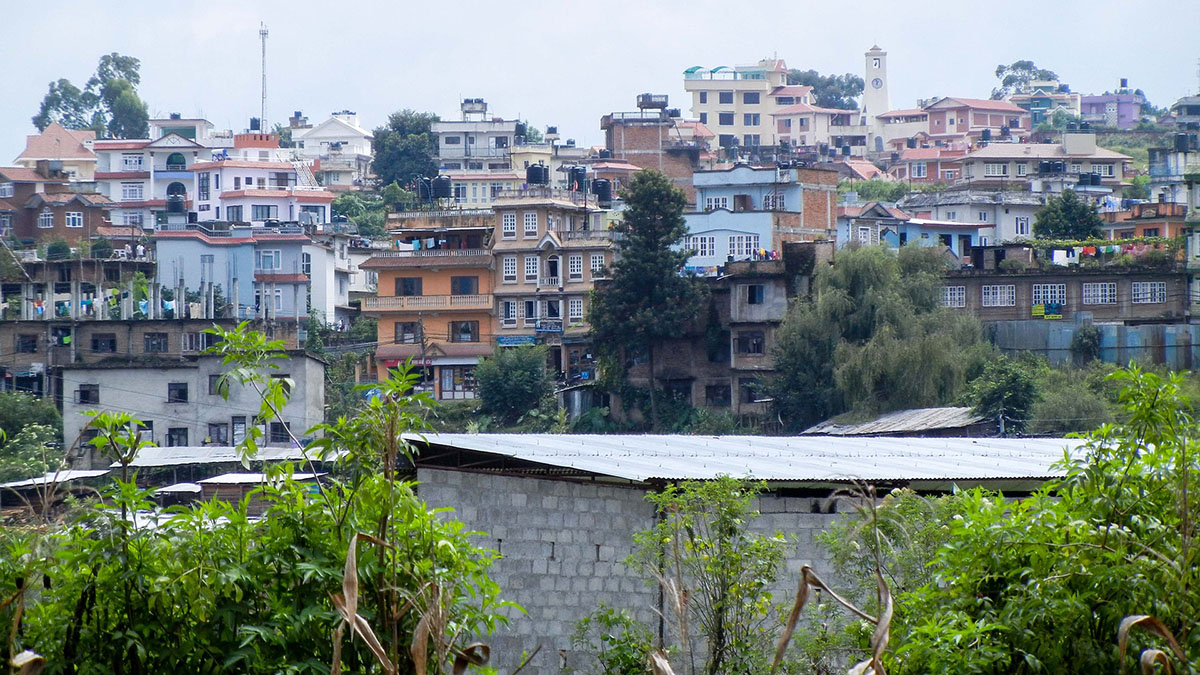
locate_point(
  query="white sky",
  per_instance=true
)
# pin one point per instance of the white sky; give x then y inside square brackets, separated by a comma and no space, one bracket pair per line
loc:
[564,63]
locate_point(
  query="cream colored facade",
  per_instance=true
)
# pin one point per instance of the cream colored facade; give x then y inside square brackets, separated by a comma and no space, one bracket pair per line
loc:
[737,103]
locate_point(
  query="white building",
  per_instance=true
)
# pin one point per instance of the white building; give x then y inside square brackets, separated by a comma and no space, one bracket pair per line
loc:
[139,175]
[338,149]
[177,399]
[254,182]
[476,142]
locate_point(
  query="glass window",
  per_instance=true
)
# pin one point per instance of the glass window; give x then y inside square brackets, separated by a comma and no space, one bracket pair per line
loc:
[177,437]
[531,268]
[264,212]
[743,244]
[995,169]
[268,260]
[27,344]
[1047,294]
[751,119]
[407,332]
[202,186]
[713,203]
[104,343]
[74,219]
[510,267]
[750,342]
[1147,292]
[218,434]
[954,296]
[132,192]
[597,264]
[754,294]
[214,385]
[725,97]
[999,296]
[725,119]
[716,395]
[408,286]
[233,214]
[155,343]
[177,392]
[1100,293]
[1022,223]
[458,382]
[6,190]
[529,312]
[702,245]
[509,227]
[278,433]
[575,266]
[575,308]
[464,285]
[531,223]
[704,97]
[45,219]
[88,394]
[464,331]
[508,313]
[750,97]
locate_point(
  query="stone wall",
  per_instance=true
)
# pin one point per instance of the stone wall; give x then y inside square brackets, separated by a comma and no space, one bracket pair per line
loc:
[563,547]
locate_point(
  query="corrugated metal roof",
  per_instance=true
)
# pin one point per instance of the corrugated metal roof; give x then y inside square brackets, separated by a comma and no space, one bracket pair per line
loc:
[208,454]
[901,421]
[776,458]
[251,478]
[180,487]
[56,477]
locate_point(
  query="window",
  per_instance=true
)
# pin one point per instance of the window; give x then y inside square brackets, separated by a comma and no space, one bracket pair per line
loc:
[995,169]
[508,313]
[460,193]
[529,312]
[704,97]
[725,97]
[703,117]
[1150,232]
[268,260]
[983,216]
[597,265]
[407,332]
[575,309]
[233,214]
[575,267]
[464,331]
[237,182]
[285,382]
[218,434]
[531,268]
[264,212]
[1022,168]
[214,385]
[509,265]
[1147,292]
[713,203]
[509,226]
[278,433]
[774,202]
[751,140]
[45,219]
[918,169]
[27,344]
[155,343]
[951,215]
[1047,294]
[131,161]
[202,186]
[464,285]
[1022,224]
[6,190]
[458,382]
[88,394]
[177,437]
[132,192]
[754,294]
[1100,293]
[999,296]
[750,98]
[104,343]
[702,245]
[452,140]
[177,392]
[195,341]
[716,395]
[954,296]
[1105,170]
[408,286]
[237,425]
[750,342]
[751,119]
[305,264]
[864,236]
[531,224]
[6,221]
[725,119]
[747,389]
[74,219]
[743,244]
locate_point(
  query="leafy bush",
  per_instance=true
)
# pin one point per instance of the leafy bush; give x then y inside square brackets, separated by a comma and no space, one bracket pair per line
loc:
[616,641]
[513,381]
[58,250]
[1085,344]
[101,249]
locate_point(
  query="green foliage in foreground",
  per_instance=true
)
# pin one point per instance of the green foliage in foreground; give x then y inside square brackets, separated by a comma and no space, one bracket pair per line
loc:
[513,381]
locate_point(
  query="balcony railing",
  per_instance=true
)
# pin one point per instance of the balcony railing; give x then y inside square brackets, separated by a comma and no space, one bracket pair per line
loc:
[433,253]
[549,282]
[176,167]
[426,302]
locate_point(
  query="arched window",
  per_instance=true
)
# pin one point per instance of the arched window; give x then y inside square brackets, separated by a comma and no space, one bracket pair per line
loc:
[176,189]
[176,162]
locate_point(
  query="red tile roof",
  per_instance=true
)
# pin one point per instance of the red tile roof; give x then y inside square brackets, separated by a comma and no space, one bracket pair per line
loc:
[856,211]
[59,198]
[460,349]
[280,278]
[5,206]
[863,169]
[57,142]
[241,164]
[986,104]
[615,165]
[121,145]
[698,129]
[791,90]
[806,108]
[19,174]
[121,175]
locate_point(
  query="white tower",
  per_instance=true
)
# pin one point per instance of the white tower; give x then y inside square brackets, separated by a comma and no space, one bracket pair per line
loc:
[875,94]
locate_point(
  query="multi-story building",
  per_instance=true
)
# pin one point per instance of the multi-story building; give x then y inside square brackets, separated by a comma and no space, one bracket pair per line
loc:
[1169,165]
[1043,98]
[1002,215]
[179,403]
[877,223]
[1186,112]
[737,103]
[744,210]
[256,182]
[70,149]
[434,303]
[338,149]
[971,119]
[805,125]
[1076,163]
[39,204]
[476,142]
[1161,219]
[1119,109]
[550,246]
[927,165]
[651,138]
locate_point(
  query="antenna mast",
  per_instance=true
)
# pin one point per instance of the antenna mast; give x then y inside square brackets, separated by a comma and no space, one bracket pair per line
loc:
[262,34]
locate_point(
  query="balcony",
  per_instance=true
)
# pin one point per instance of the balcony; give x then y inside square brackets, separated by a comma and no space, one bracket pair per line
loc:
[402,303]
[549,282]
[434,253]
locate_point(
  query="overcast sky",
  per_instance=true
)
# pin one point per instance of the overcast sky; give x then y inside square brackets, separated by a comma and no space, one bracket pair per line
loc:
[564,63]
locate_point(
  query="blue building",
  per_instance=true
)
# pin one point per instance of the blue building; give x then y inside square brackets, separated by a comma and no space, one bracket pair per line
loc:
[743,212]
[879,223]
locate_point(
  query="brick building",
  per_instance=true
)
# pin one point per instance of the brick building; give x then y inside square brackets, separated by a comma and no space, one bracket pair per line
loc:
[650,138]
[39,204]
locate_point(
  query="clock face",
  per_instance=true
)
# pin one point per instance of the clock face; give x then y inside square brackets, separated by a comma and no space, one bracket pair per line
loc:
[877,83]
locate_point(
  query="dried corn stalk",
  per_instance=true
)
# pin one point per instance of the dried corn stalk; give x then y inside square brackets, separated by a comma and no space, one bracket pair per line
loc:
[1150,658]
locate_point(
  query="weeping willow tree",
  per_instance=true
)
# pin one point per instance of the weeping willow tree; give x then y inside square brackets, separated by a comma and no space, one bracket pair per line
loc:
[874,338]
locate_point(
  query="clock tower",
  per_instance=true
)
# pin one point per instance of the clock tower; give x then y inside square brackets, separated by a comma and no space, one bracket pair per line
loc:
[875,92]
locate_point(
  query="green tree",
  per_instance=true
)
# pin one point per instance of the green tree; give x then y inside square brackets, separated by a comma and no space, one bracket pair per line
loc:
[513,381]
[1066,216]
[1017,75]
[874,338]
[108,103]
[875,189]
[648,297]
[58,249]
[1059,120]
[18,409]
[532,133]
[618,643]
[101,248]
[396,198]
[1004,392]
[284,132]
[1139,188]
[830,91]
[32,451]
[405,147]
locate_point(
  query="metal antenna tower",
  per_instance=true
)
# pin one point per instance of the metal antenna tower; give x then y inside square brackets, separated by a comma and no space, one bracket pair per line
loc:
[262,34]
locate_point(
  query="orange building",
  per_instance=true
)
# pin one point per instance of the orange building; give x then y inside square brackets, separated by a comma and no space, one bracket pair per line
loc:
[434,302]
[1146,220]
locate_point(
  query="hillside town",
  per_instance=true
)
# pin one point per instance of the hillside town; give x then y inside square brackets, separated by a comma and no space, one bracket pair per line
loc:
[855,302]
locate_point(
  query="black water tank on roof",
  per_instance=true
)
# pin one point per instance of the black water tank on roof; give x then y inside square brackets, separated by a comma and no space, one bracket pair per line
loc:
[1045,167]
[987,135]
[845,151]
[175,204]
[606,154]
[602,188]
[577,178]
[1181,143]
[442,188]
[910,142]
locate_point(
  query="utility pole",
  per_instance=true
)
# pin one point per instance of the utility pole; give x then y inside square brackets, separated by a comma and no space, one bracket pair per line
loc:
[262,34]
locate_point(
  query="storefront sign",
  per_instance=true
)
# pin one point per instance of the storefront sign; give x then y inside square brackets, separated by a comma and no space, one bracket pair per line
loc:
[514,340]
[549,326]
